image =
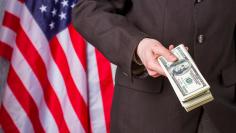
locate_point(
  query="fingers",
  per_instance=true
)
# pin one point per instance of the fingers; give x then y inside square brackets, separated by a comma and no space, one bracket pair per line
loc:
[171,47]
[149,50]
[154,69]
[153,74]
[162,51]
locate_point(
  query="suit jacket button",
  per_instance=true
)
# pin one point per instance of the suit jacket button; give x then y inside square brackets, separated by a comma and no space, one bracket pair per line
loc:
[198,1]
[201,39]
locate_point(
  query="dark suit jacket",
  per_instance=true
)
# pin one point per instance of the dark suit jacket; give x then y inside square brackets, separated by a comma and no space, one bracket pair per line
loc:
[150,105]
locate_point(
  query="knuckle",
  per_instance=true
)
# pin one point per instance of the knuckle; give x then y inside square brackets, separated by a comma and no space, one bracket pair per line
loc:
[155,50]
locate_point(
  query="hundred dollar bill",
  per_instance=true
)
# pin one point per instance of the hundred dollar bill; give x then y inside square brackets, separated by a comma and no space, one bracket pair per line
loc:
[197,101]
[185,78]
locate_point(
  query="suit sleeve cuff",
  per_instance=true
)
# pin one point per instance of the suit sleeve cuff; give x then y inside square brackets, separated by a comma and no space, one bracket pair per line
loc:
[128,59]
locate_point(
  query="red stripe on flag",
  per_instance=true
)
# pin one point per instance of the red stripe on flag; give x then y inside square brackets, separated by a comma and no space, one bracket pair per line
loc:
[75,97]
[7,123]
[25,99]
[79,45]
[106,85]
[36,62]
[11,21]
[5,51]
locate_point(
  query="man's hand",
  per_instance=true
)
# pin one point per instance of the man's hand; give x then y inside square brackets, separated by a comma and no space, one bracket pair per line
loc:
[149,50]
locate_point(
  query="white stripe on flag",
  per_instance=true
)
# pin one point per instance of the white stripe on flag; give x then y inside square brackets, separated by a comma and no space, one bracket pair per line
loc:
[13,6]
[7,36]
[40,42]
[76,69]
[95,103]
[33,86]
[16,112]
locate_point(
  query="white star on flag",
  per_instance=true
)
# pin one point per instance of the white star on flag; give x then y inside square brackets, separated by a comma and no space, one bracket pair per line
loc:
[43,8]
[54,72]
[64,3]
[54,12]
[62,15]
[52,25]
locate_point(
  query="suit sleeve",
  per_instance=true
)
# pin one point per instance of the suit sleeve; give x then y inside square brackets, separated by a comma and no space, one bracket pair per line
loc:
[103,23]
[235,37]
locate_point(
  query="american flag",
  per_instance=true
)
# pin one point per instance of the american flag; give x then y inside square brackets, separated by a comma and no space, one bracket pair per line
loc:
[57,82]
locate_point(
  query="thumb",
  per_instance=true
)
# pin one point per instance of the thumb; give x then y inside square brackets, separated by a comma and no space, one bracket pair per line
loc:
[162,51]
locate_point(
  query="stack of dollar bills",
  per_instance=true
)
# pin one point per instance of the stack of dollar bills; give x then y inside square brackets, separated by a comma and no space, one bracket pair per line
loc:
[188,83]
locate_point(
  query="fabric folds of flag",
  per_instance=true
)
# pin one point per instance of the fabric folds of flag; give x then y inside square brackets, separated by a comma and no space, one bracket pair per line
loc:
[57,82]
